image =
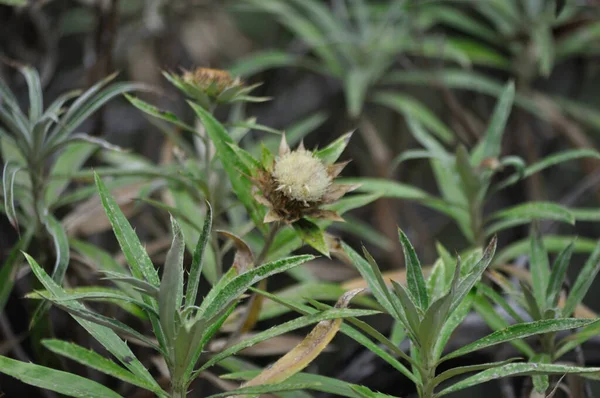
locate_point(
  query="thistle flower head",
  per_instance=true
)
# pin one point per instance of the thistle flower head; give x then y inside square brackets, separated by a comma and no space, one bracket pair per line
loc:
[301,176]
[297,183]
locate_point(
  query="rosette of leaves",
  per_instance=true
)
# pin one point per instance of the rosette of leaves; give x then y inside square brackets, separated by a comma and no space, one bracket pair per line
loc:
[181,327]
[210,87]
[428,312]
[37,147]
[544,297]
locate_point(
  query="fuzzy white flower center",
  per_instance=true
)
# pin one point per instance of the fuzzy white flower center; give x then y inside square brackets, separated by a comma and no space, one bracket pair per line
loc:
[301,176]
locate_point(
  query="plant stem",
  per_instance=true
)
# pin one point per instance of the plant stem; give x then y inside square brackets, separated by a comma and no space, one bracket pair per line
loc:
[179,391]
[268,243]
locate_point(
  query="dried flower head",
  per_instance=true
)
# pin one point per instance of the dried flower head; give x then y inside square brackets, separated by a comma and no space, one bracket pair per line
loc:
[209,86]
[297,183]
[212,81]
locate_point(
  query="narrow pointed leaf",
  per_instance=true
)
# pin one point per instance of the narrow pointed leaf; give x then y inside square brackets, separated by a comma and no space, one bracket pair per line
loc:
[137,258]
[55,380]
[331,153]
[448,374]
[170,294]
[539,266]
[465,286]
[193,281]
[8,185]
[582,284]
[414,273]
[515,369]
[520,331]
[104,335]
[557,276]
[96,361]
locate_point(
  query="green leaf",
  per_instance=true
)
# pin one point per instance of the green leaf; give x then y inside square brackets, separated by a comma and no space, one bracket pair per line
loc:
[322,383]
[520,331]
[492,141]
[454,320]
[414,273]
[541,382]
[310,233]
[408,313]
[576,339]
[536,211]
[55,380]
[158,113]
[364,392]
[62,254]
[515,369]
[333,151]
[557,276]
[86,104]
[95,361]
[356,85]
[10,264]
[411,108]
[137,258]
[582,284]
[450,373]
[549,161]
[263,60]
[496,321]
[233,165]
[465,285]
[36,97]
[539,266]
[105,336]
[266,389]
[170,294]
[73,157]
[552,243]
[238,285]
[193,281]
[8,185]
[373,277]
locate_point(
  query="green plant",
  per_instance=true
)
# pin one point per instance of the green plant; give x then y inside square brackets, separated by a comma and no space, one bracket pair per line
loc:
[466,181]
[543,297]
[36,148]
[181,328]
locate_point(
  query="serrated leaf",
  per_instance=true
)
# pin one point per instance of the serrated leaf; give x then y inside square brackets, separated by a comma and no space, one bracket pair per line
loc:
[55,380]
[170,293]
[105,336]
[465,285]
[536,211]
[95,361]
[520,331]
[414,273]
[239,284]
[515,369]
[193,281]
[137,258]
